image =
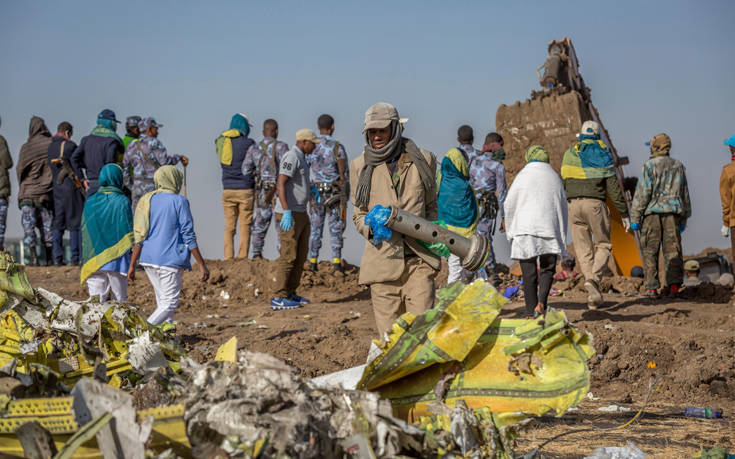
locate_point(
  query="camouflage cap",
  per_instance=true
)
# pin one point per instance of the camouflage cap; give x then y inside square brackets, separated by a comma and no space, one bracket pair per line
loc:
[147,123]
[691,265]
[380,116]
[660,143]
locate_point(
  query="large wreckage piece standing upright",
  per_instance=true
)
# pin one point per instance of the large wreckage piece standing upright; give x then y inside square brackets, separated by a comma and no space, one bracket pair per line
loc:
[552,117]
[460,350]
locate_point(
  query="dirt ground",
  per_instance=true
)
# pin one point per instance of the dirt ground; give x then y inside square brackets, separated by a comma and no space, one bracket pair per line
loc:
[691,342]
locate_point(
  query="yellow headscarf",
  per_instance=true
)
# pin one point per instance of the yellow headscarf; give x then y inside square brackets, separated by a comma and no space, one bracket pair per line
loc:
[167,179]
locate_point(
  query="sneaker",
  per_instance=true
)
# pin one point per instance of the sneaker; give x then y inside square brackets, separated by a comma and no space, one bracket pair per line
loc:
[280,304]
[652,294]
[298,299]
[594,297]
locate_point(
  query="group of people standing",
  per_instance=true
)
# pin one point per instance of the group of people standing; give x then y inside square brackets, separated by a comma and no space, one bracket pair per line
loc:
[249,181]
[118,198]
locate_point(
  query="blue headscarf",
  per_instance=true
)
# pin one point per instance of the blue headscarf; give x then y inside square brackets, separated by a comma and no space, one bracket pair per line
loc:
[593,153]
[456,201]
[240,122]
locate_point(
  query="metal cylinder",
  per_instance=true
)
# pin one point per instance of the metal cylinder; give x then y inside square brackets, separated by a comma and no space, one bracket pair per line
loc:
[471,251]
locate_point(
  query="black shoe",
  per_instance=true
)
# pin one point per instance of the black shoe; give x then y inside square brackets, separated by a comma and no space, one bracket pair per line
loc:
[313,267]
[338,268]
[49,256]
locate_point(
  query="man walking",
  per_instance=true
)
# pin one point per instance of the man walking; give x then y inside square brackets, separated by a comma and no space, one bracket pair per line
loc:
[327,166]
[68,195]
[237,187]
[102,146]
[262,163]
[393,171]
[487,178]
[293,195]
[143,157]
[6,163]
[727,196]
[133,131]
[589,178]
[34,197]
[660,210]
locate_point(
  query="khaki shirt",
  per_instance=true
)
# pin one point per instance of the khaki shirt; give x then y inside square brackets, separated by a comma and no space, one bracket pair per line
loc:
[386,261]
[727,194]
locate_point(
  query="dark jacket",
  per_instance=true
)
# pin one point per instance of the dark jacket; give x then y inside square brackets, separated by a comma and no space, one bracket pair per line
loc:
[6,163]
[232,175]
[68,199]
[91,156]
[53,152]
[597,188]
[34,175]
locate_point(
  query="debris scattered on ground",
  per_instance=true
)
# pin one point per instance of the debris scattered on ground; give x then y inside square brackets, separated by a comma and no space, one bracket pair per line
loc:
[630,451]
[613,409]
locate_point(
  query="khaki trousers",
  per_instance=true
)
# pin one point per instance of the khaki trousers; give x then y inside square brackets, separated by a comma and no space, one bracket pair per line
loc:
[412,292]
[590,225]
[294,250]
[237,204]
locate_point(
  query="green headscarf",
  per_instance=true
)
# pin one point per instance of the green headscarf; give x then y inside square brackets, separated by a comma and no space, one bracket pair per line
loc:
[167,179]
[107,223]
[537,153]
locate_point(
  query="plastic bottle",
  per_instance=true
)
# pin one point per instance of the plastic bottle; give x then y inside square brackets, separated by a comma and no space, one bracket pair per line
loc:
[694,412]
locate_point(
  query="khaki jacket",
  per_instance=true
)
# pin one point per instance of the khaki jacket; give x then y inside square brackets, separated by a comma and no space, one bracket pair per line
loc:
[727,194]
[385,262]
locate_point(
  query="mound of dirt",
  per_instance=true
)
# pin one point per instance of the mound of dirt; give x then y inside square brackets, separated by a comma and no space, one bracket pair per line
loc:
[693,369]
[247,280]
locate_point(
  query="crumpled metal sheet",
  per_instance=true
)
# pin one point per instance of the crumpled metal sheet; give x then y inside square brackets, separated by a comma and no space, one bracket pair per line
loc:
[259,405]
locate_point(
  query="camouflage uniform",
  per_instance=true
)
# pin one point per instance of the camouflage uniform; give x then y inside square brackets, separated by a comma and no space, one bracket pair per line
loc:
[142,158]
[32,217]
[661,207]
[264,167]
[323,169]
[487,177]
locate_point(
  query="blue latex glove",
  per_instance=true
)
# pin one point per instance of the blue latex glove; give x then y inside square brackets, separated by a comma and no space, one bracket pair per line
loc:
[376,219]
[286,220]
[682,228]
[315,195]
[635,226]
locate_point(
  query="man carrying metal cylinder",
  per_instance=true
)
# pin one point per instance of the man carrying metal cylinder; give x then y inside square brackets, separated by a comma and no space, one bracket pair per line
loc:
[393,171]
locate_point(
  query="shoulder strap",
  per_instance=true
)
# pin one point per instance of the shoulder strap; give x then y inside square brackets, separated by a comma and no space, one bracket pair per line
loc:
[61,152]
[148,157]
[335,152]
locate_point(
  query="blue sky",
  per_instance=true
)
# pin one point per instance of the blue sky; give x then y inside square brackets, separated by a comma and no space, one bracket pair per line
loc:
[652,67]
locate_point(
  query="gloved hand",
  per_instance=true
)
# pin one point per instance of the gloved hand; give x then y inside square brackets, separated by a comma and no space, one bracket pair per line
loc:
[286,220]
[315,195]
[376,219]
[635,226]
[626,225]
[682,228]
[725,231]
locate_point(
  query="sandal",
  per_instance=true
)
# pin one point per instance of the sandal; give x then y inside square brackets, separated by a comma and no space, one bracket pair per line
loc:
[540,309]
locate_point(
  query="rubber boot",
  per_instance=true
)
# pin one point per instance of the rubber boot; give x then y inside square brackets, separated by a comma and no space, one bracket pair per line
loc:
[313,266]
[338,268]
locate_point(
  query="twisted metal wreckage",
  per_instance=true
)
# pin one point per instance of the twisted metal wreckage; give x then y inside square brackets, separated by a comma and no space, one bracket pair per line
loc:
[454,381]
